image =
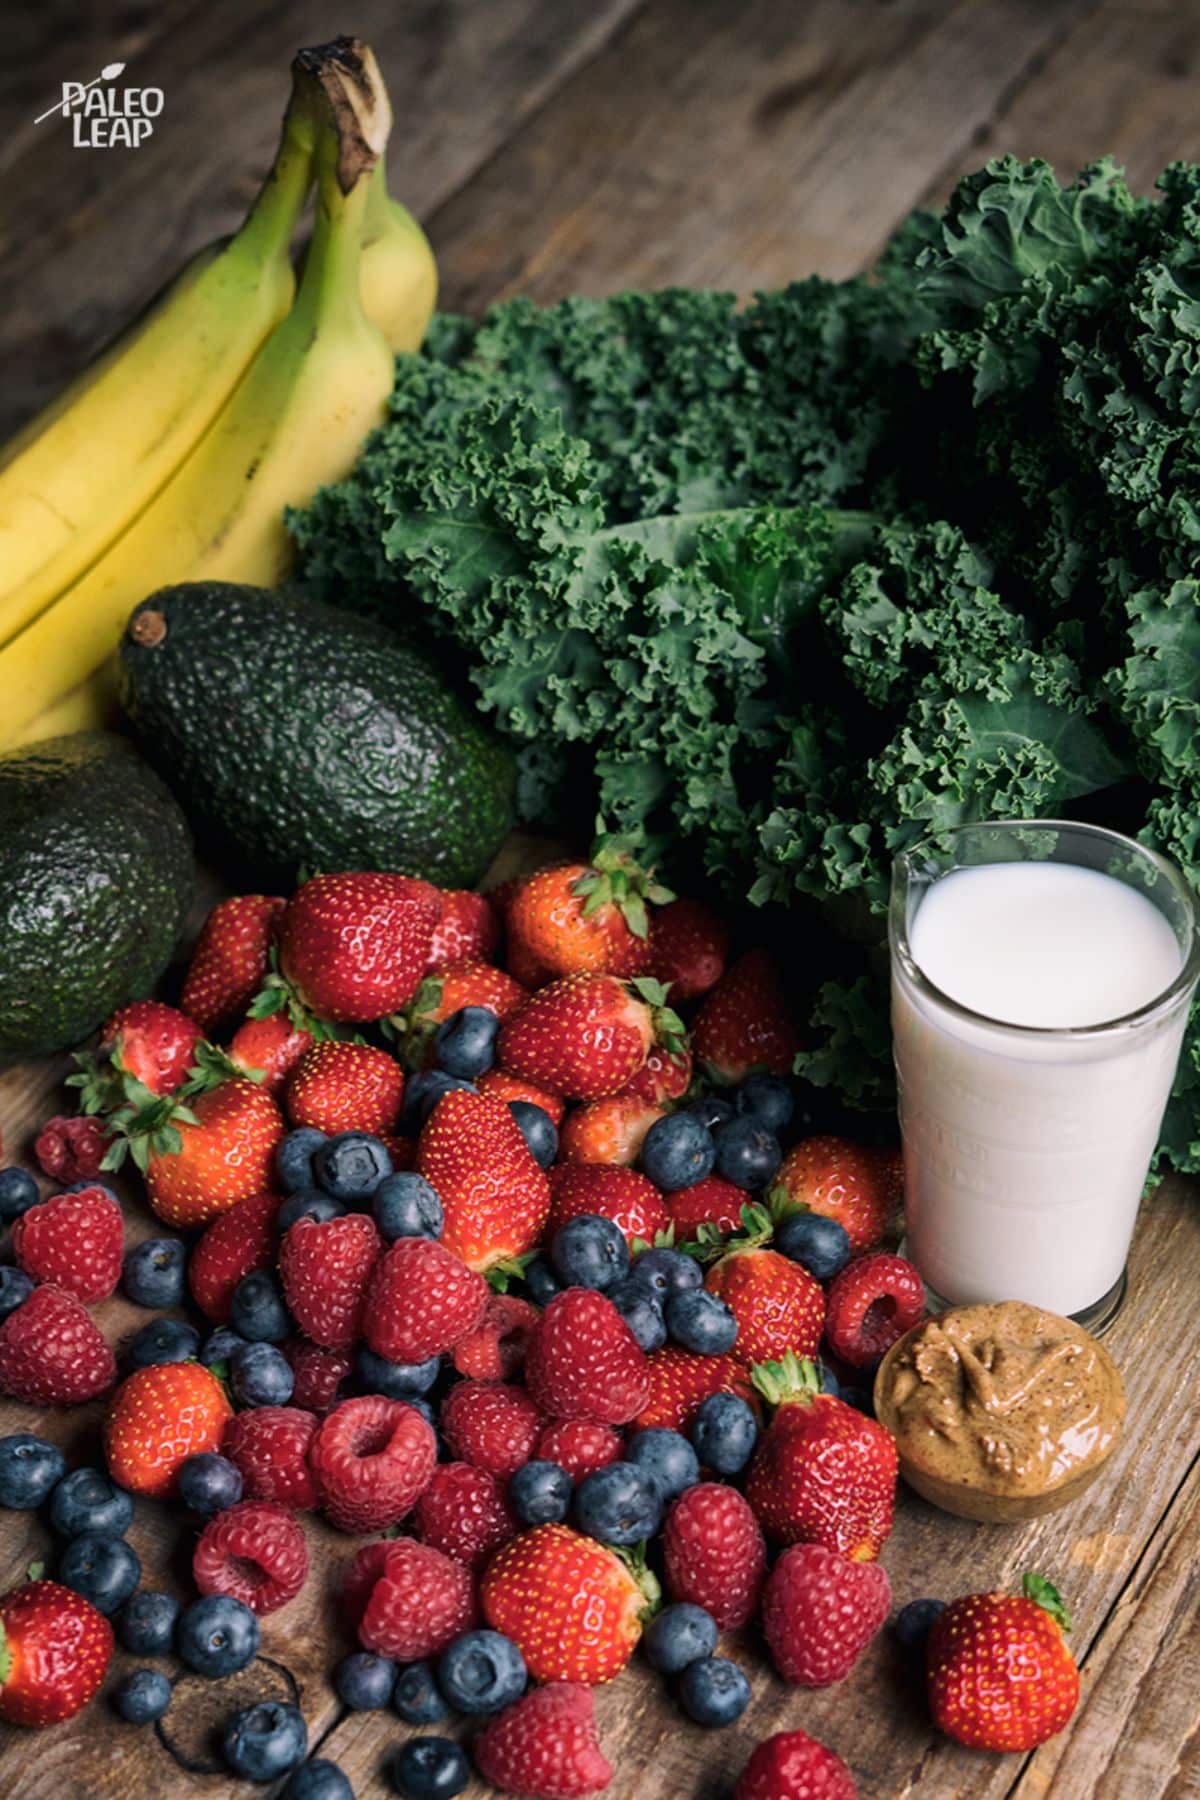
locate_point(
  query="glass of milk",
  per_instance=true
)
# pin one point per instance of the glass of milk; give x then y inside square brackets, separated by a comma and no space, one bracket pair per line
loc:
[1041,977]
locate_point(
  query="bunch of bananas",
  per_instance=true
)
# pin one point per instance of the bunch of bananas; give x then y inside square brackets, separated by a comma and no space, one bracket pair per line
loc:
[238,393]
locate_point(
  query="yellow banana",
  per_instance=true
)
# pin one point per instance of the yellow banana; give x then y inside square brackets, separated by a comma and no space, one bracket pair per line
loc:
[399,275]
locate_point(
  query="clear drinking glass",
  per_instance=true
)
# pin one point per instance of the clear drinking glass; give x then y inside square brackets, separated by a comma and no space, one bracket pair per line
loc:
[1026,1148]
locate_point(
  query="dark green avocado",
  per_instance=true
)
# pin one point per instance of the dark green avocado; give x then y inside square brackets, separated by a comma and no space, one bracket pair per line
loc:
[95,880]
[302,738]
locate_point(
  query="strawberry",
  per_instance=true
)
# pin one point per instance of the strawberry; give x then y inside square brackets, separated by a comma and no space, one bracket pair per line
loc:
[626,1197]
[792,1766]
[713,1553]
[371,1459]
[495,1198]
[269,1048]
[463,1514]
[55,1650]
[256,1552]
[209,1156]
[468,929]
[447,991]
[75,1241]
[713,1201]
[586,916]
[545,1746]
[999,1673]
[822,1473]
[503,1086]
[495,1350]
[525,968]
[779,1307]
[320,1375]
[490,1425]
[407,1600]
[158,1417]
[873,1301]
[71,1149]
[611,1130]
[688,948]
[580,1446]
[269,1446]
[237,1243]
[586,1035]
[354,947]
[229,962]
[421,1300]
[51,1352]
[664,1076]
[743,1026]
[574,1608]
[345,1087]
[325,1266]
[820,1611]
[152,1043]
[680,1380]
[856,1185]
[583,1362]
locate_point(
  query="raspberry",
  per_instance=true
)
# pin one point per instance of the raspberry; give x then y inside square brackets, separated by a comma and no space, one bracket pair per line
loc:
[495,1350]
[422,1299]
[793,1766]
[237,1243]
[255,1552]
[71,1149]
[714,1553]
[462,1513]
[820,1610]
[545,1744]
[325,1266]
[320,1375]
[371,1459]
[74,1241]
[492,1426]
[871,1303]
[407,1600]
[51,1352]
[579,1446]
[269,1445]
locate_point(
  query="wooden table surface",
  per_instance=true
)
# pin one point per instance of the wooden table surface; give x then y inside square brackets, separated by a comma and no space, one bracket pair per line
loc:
[558,146]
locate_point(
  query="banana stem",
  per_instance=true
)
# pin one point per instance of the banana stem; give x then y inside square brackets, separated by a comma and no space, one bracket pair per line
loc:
[330,283]
[267,232]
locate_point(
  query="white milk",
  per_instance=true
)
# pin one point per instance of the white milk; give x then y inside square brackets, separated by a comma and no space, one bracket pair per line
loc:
[1025,1155]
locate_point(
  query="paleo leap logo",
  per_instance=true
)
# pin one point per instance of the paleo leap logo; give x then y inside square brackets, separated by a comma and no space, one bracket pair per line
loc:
[105,117]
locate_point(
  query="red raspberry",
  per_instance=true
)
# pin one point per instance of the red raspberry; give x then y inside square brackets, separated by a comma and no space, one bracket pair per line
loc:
[490,1425]
[237,1243]
[545,1744]
[820,1611]
[324,1265]
[320,1375]
[462,1513]
[74,1241]
[713,1201]
[421,1301]
[269,1445]
[583,1361]
[873,1301]
[793,1766]
[71,1149]
[407,1600]
[495,1350]
[256,1552]
[51,1352]
[579,1446]
[371,1459]
[714,1553]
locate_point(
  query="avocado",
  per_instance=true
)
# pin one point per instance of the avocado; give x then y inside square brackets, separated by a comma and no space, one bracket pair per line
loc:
[96,878]
[300,738]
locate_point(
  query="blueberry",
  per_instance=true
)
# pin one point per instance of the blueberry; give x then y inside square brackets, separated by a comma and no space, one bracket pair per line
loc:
[15,1288]
[820,1245]
[416,1696]
[364,1681]
[422,1093]
[677,1151]
[541,1283]
[421,1405]
[397,1381]
[666,1458]
[18,1192]
[265,1741]
[217,1635]
[747,1153]
[261,1375]
[406,1205]
[257,1310]
[308,1203]
[87,1501]
[700,1322]
[862,1399]
[152,1272]
[540,1493]
[29,1468]
[351,1165]
[481,1671]
[829,1381]
[163,1341]
[677,1636]
[105,1570]
[663,1271]
[430,1768]
[82,1187]
[318,1779]
[143,1696]
[711,1109]
[465,1043]
[768,1099]
[714,1691]
[209,1482]
[642,1313]
[619,1504]
[724,1431]
[912,1626]
[219,1346]
[146,1623]
[591,1252]
[293,1159]
[538,1129]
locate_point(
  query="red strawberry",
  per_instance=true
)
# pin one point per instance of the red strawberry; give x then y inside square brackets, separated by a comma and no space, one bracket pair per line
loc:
[237,1243]
[256,1552]
[421,1301]
[490,1425]
[680,1380]
[792,1766]
[407,1600]
[494,1196]
[525,968]
[402,1150]
[507,1087]
[325,1266]
[371,1460]
[354,946]
[320,1375]
[463,1514]
[157,1418]
[495,1350]
[873,1301]
[586,1035]
[688,947]
[229,962]
[51,1352]
[74,1241]
[629,1199]
[545,1746]
[467,930]
[225,1156]
[852,1183]
[574,1608]
[714,1554]
[583,1361]
[586,916]
[580,1446]
[820,1611]
[611,1130]
[156,1044]
[71,1149]
[822,1472]
[1000,1676]
[269,1446]
[779,1307]
[269,1048]
[665,1075]
[55,1650]
[744,1025]
[713,1201]
[470,983]
[345,1087]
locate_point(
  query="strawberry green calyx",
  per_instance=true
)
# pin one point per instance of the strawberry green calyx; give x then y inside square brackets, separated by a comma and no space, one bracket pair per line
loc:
[412,1029]
[615,878]
[6,1660]
[634,1560]
[212,1067]
[1044,1594]
[278,994]
[792,1378]
[148,1124]
[507,1270]
[669,1029]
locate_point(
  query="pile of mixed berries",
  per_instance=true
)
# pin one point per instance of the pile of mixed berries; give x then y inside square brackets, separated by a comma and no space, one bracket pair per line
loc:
[507,1269]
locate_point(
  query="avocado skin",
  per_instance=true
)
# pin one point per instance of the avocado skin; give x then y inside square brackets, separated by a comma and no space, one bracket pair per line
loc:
[96,878]
[302,738]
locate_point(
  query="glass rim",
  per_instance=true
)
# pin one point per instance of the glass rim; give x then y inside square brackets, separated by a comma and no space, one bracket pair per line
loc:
[903,866]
